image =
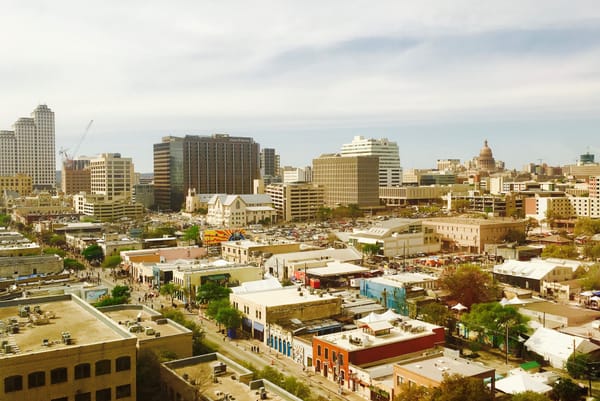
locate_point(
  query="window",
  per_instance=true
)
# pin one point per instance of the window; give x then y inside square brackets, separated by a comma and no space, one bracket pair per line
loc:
[123,363]
[103,367]
[103,395]
[36,379]
[318,350]
[58,375]
[123,391]
[13,383]
[83,397]
[82,371]
[326,353]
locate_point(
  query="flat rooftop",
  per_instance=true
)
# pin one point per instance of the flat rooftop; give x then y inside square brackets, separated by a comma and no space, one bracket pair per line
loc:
[402,279]
[149,323]
[355,340]
[435,368]
[227,383]
[283,296]
[60,314]
[336,268]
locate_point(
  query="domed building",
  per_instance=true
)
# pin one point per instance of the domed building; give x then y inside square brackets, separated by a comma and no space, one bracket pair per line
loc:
[485,161]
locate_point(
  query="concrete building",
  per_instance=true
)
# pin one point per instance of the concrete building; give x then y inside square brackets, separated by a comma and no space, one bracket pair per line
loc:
[13,243]
[58,348]
[448,165]
[415,195]
[112,176]
[269,164]
[30,148]
[501,206]
[19,183]
[240,210]
[400,292]
[531,274]
[29,209]
[390,171]
[144,195]
[76,176]
[398,237]
[168,173]
[430,370]
[191,379]
[105,209]
[297,174]
[350,180]
[339,356]
[296,201]
[569,207]
[247,251]
[594,187]
[471,235]
[262,308]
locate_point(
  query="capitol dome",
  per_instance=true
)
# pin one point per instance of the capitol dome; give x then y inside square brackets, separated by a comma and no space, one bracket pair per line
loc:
[486,161]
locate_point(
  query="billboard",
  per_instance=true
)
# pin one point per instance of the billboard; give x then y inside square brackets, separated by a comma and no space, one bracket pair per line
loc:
[215,237]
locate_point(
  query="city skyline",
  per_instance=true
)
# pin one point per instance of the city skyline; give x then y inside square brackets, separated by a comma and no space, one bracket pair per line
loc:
[436,78]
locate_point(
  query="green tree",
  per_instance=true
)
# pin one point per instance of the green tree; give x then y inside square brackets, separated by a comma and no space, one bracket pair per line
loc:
[459,388]
[93,252]
[468,284]
[191,234]
[229,317]
[592,251]
[54,251]
[370,249]
[590,276]
[57,240]
[413,393]
[4,220]
[324,213]
[587,226]
[211,291]
[435,313]
[560,251]
[567,390]
[577,365]
[121,291]
[72,264]
[529,396]
[169,290]
[215,306]
[517,236]
[493,318]
[112,261]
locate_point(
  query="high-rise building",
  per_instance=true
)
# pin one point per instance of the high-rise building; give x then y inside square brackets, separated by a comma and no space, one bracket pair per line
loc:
[348,180]
[30,148]
[169,192]
[296,174]
[112,176]
[390,172]
[296,201]
[209,164]
[269,163]
[75,177]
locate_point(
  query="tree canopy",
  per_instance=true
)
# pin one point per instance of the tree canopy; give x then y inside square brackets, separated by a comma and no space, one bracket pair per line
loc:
[468,284]
[191,233]
[560,251]
[452,388]
[112,261]
[169,290]
[435,313]
[589,276]
[587,226]
[211,291]
[567,390]
[93,252]
[529,396]
[492,318]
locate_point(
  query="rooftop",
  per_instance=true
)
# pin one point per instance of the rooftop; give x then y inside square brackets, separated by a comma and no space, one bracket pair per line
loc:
[284,296]
[471,221]
[336,268]
[42,328]
[402,279]
[142,322]
[435,368]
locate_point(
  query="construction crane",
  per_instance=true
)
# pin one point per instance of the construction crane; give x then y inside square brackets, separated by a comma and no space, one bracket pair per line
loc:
[68,157]
[87,129]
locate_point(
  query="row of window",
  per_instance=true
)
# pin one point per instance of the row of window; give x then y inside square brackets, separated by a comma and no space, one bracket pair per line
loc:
[104,394]
[61,375]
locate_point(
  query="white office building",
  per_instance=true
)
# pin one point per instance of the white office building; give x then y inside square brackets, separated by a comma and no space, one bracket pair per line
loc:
[112,176]
[390,171]
[30,148]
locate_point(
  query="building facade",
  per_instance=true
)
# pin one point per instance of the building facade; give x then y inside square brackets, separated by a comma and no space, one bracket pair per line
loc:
[390,172]
[350,180]
[269,163]
[75,177]
[169,191]
[240,210]
[296,201]
[112,176]
[30,148]
[19,183]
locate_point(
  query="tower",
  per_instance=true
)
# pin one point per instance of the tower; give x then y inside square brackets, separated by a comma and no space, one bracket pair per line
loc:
[390,171]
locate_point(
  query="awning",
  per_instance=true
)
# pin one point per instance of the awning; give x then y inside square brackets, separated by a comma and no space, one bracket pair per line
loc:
[217,277]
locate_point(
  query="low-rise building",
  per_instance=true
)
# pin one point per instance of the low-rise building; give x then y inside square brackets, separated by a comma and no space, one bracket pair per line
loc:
[471,235]
[398,237]
[531,274]
[19,183]
[247,251]
[61,347]
[297,201]
[106,208]
[240,210]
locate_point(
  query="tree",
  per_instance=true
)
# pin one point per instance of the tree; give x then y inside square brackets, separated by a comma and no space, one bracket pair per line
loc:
[590,276]
[112,261]
[413,393]
[54,251]
[191,234]
[567,390]
[93,252]
[169,290]
[211,291]
[560,251]
[517,236]
[493,318]
[459,388]
[468,284]
[531,225]
[592,251]
[529,396]
[229,317]
[435,313]
[324,213]
[121,291]
[72,264]
[577,365]
[214,306]
[4,220]
[587,226]
[370,249]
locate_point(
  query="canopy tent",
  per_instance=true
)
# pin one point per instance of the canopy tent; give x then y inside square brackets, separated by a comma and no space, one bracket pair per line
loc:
[521,383]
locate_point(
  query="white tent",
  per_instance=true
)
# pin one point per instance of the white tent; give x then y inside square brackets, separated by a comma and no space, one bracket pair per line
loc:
[556,347]
[390,315]
[521,383]
[371,317]
[459,307]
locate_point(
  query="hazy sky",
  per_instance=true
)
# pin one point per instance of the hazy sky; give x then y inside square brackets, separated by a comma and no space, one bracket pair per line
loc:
[304,77]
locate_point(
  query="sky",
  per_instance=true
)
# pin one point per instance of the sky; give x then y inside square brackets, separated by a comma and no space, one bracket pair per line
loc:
[305,77]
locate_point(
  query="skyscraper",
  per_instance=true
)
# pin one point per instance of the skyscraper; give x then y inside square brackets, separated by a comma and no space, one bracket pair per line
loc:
[209,164]
[30,148]
[269,163]
[390,172]
[112,176]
